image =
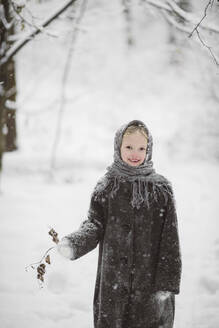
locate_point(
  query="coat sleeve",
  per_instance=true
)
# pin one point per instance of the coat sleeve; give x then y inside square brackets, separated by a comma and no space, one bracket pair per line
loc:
[90,231]
[169,266]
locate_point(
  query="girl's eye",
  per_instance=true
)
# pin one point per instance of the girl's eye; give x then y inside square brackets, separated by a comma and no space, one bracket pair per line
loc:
[142,148]
[128,147]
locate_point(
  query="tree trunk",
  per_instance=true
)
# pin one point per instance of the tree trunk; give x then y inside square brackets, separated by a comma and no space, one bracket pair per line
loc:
[7,85]
[10,109]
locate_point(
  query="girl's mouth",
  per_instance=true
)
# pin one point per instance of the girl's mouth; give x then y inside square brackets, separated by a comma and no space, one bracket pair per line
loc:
[134,160]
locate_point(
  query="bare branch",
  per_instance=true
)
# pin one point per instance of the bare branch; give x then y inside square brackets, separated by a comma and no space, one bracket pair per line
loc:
[171,7]
[40,261]
[190,18]
[158,4]
[173,22]
[37,27]
[210,3]
[216,60]
[29,36]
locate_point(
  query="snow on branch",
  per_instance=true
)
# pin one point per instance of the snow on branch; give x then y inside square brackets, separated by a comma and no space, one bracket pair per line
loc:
[190,18]
[176,24]
[210,3]
[30,35]
[190,23]
[23,20]
[171,7]
[3,19]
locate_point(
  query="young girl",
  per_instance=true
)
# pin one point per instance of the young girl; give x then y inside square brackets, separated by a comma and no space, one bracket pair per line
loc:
[132,216]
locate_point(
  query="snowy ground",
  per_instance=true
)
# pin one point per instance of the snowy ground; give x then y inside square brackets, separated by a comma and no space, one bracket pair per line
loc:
[108,85]
[32,203]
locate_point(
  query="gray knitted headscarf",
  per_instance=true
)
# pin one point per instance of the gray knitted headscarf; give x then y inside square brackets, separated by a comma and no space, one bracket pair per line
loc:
[126,170]
[140,177]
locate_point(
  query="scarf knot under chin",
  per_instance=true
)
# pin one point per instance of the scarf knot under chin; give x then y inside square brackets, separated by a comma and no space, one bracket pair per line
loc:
[140,177]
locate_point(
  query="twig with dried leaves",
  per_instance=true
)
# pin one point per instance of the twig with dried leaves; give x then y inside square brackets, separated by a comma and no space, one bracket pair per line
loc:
[40,266]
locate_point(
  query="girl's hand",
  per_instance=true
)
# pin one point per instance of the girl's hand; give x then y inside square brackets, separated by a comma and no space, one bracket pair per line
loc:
[162,295]
[64,248]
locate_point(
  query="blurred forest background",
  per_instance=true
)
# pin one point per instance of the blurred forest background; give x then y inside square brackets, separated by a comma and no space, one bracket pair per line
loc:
[107,60]
[71,72]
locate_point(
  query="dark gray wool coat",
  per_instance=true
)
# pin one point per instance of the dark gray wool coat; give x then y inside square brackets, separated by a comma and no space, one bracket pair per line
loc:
[139,254]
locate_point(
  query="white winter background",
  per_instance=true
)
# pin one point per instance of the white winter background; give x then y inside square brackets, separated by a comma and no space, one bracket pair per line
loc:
[173,89]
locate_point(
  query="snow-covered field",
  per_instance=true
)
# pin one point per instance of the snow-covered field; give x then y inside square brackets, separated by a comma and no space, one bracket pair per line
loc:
[108,85]
[32,203]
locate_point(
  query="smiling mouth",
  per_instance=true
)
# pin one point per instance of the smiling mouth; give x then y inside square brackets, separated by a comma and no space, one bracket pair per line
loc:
[134,160]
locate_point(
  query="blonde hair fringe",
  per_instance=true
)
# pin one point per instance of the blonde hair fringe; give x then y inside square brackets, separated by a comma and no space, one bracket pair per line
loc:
[133,128]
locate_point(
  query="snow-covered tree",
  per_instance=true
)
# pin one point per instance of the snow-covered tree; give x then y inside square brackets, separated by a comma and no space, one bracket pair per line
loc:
[17,29]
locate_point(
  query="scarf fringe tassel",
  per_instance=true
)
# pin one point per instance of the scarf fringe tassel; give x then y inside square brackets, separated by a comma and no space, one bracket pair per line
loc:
[141,193]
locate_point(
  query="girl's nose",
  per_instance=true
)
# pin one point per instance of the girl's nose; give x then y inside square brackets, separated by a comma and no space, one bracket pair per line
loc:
[134,155]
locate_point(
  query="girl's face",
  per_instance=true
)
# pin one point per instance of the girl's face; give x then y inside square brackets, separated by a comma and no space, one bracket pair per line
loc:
[133,148]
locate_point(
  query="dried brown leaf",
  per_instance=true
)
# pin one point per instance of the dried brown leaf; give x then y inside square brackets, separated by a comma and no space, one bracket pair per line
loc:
[40,277]
[41,269]
[54,235]
[48,259]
